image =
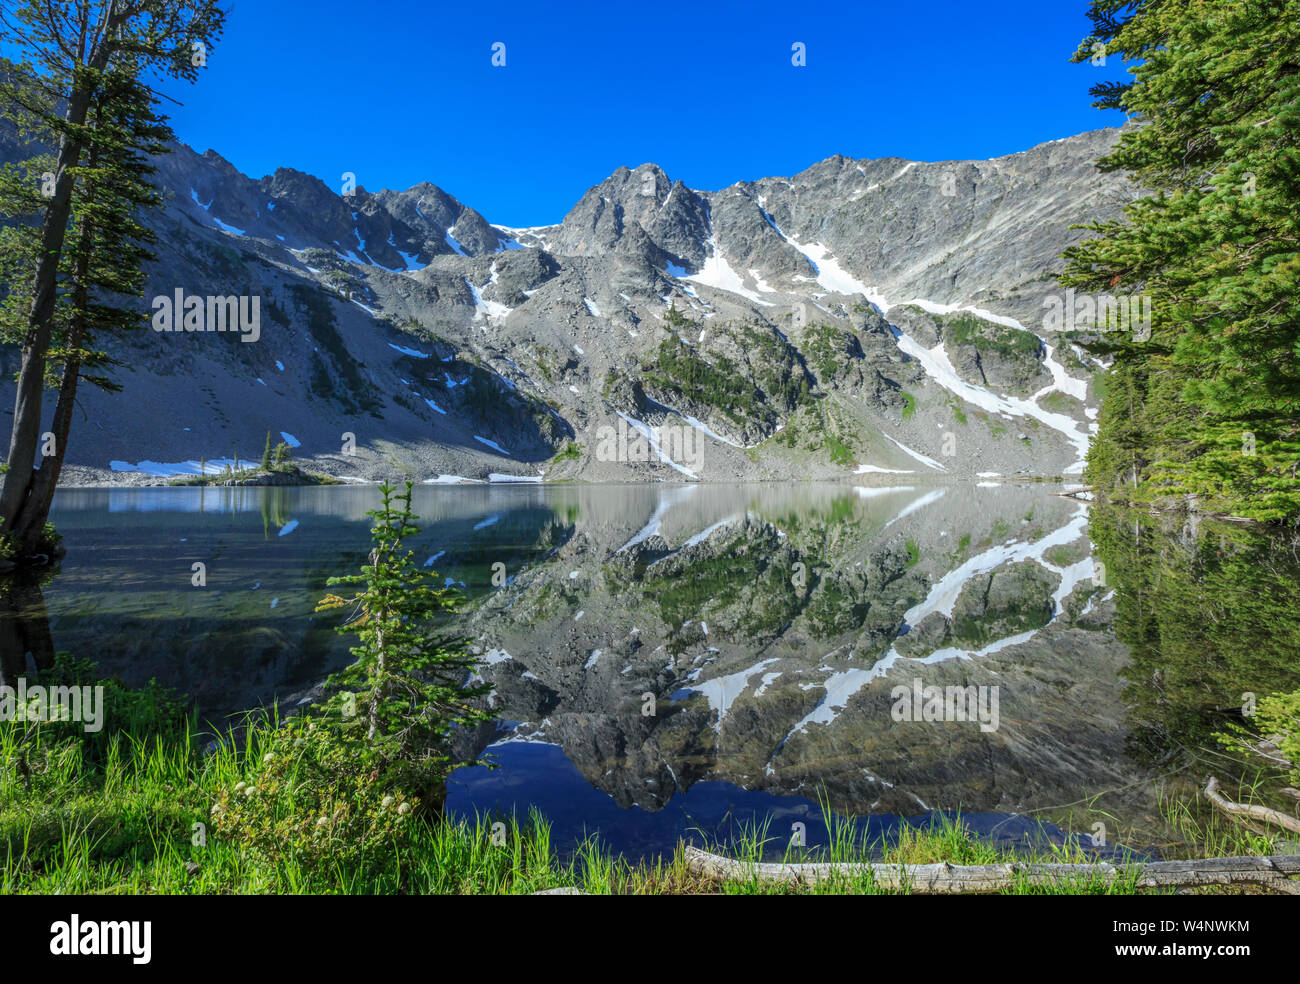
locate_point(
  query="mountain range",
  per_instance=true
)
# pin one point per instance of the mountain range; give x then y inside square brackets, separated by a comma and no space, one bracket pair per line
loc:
[863,316]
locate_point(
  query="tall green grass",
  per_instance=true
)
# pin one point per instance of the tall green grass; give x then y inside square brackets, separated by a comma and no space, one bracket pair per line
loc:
[128,812]
[948,839]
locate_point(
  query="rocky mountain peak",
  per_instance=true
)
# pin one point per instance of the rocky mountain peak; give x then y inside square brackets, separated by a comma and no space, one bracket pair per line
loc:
[857,317]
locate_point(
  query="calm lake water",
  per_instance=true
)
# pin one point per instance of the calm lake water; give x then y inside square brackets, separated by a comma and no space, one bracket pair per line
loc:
[692,661]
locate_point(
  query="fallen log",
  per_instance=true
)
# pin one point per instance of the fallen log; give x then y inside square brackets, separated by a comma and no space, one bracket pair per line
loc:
[1262,813]
[983,879]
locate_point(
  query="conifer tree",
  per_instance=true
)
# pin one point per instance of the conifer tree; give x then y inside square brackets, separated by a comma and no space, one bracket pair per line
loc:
[1210,404]
[398,704]
[77,86]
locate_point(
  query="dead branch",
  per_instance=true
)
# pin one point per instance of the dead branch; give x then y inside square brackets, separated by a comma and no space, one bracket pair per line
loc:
[949,879]
[1263,813]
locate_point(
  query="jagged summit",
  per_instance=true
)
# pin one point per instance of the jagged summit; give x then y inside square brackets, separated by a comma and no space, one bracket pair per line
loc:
[802,326]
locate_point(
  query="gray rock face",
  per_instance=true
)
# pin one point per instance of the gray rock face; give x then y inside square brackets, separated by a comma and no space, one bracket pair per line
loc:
[793,349]
[1006,602]
[927,635]
[762,623]
[641,204]
[984,353]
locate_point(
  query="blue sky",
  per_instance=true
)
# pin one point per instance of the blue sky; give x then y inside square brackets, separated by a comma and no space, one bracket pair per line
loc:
[401,91]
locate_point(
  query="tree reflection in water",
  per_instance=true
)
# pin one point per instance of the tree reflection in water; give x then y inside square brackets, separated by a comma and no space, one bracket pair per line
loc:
[25,640]
[1210,612]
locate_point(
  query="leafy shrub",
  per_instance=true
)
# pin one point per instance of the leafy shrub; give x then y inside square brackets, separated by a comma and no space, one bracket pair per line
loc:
[1277,722]
[307,803]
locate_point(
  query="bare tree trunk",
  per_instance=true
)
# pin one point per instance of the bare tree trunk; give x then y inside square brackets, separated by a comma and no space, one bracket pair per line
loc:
[30,524]
[1264,813]
[949,879]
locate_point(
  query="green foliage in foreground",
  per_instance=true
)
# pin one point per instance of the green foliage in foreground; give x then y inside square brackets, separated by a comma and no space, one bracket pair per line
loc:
[1273,733]
[1208,404]
[136,812]
[391,714]
[145,806]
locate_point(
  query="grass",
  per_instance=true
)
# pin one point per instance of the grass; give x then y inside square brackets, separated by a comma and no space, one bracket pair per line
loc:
[841,453]
[909,410]
[913,553]
[132,820]
[1100,386]
[816,426]
[1214,834]
[129,820]
[1063,555]
[128,811]
[1058,402]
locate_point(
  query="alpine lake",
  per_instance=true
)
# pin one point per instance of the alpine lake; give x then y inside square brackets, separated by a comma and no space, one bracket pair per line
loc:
[698,661]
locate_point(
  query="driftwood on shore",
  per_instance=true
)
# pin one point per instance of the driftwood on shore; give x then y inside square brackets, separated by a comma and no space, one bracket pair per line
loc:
[949,879]
[1250,810]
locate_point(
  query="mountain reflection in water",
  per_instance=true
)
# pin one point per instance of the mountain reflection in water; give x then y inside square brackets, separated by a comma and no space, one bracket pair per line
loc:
[668,659]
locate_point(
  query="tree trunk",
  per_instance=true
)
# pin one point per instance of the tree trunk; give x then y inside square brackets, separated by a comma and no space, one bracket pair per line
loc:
[26,432]
[1251,810]
[29,526]
[26,429]
[949,879]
